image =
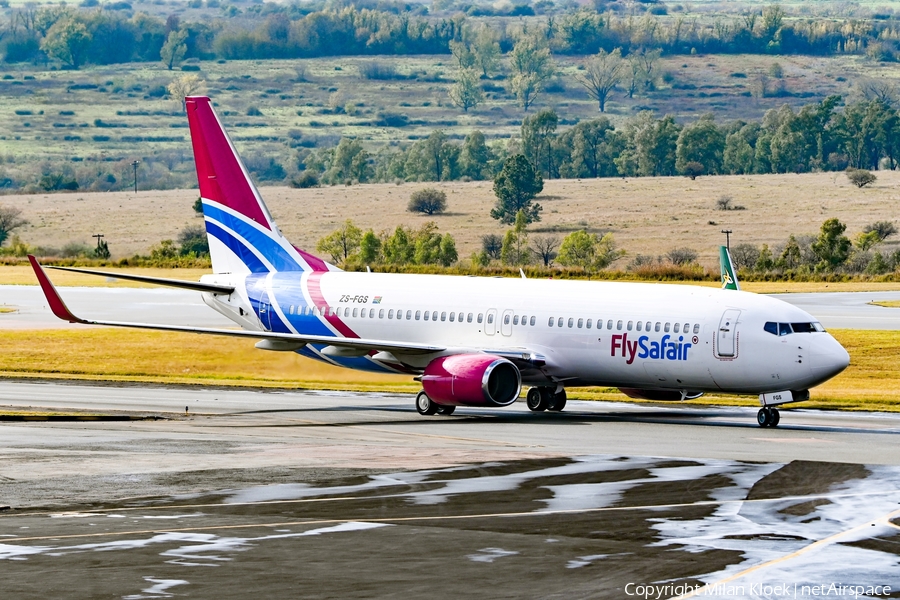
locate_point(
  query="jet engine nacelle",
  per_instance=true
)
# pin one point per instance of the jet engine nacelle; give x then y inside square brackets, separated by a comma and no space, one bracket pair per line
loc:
[472,380]
[660,395]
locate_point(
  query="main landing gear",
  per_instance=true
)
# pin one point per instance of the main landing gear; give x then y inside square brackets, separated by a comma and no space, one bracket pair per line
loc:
[540,399]
[427,406]
[768,417]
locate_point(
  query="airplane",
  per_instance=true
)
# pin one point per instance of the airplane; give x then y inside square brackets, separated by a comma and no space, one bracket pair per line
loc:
[475,341]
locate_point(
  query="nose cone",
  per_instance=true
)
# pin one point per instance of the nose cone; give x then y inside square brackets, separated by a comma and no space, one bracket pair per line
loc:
[827,358]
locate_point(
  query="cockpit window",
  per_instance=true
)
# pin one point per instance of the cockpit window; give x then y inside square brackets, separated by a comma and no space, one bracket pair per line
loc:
[787,328]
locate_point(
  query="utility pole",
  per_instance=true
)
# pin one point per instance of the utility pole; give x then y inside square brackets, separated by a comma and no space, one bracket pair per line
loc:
[99,237]
[727,233]
[135,165]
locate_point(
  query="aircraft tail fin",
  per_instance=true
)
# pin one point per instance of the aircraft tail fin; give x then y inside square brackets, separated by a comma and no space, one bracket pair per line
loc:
[726,267]
[243,237]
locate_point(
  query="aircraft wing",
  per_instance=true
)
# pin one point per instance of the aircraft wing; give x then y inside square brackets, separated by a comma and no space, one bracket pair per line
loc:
[60,309]
[178,283]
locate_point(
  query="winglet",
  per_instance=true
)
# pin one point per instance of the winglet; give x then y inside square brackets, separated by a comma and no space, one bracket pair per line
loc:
[57,305]
[726,266]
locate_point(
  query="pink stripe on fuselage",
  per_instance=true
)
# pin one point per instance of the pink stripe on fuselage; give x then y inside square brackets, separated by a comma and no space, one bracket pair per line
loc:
[314,286]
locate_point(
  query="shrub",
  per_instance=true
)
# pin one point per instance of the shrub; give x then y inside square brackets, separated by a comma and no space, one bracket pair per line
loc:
[254,112]
[884,229]
[693,169]
[307,179]
[428,201]
[682,256]
[378,71]
[860,177]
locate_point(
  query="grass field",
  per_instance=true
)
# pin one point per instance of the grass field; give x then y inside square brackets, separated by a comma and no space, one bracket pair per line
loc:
[872,382]
[646,215]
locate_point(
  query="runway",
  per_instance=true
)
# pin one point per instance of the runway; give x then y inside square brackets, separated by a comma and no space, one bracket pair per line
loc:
[341,495]
[338,495]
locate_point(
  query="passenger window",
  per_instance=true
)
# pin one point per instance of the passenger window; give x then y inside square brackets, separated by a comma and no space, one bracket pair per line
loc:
[686,328]
[580,323]
[532,321]
[391,314]
[362,313]
[371,313]
[409,315]
[490,318]
[452,315]
[559,322]
[506,319]
[609,324]
[515,320]
[571,322]
[381,313]
[656,328]
[648,326]
[630,325]
[418,314]
[696,327]
[355,311]
[771,327]
[434,316]
[480,317]
[427,315]
[666,328]
[619,325]
[784,329]
[469,318]
[677,327]
[588,324]
[639,325]
[550,324]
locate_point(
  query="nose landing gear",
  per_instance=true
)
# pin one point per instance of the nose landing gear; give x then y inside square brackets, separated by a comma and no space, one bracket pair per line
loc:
[768,417]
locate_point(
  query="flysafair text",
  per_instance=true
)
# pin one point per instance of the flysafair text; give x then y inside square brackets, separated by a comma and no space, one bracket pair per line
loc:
[666,348]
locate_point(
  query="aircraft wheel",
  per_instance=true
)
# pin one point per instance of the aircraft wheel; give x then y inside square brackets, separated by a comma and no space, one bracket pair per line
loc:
[537,399]
[425,405]
[558,401]
[445,410]
[775,418]
[762,417]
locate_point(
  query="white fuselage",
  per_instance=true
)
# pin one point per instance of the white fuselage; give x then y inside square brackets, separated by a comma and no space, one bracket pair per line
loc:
[634,335]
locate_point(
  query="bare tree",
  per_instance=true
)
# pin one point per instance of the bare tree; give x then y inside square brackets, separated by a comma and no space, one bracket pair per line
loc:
[878,89]
[10,220]
[545,247]
[184,86]
[601,75]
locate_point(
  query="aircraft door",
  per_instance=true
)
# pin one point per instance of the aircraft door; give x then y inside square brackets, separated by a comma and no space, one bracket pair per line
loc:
[490,322]
[265,311]
[726,344]
[506,322]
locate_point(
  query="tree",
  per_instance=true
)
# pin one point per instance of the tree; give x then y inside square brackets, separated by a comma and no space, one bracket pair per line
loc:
[486,50]
[531,66]
[10,220]
[515,187]
[538,134]
[491,245]
[369,248]
[586,250]
[601,75]
[448,254]
[184,86]
[884,229]
[475,158]
[193,239]
[791,255]
[701,142]
[399,249]
[867,240]
[744,256]
[465,58]
[173,51]
[832,247]
[342,243]
[432,159]
[860,177]
[428,201]
[68,41]
[544,247]
[349,162]
[466,93]
[692,169]
[681,256]
[514,250]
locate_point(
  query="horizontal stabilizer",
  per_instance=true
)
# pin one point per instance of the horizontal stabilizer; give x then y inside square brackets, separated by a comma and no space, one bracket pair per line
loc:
[177,283]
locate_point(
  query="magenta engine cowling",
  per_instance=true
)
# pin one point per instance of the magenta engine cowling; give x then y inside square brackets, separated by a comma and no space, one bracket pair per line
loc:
[472,380]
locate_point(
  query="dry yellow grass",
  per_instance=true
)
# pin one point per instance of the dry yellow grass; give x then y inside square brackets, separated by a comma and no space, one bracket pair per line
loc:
[647,215]
[872,382]
[886,303]
[24,275]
